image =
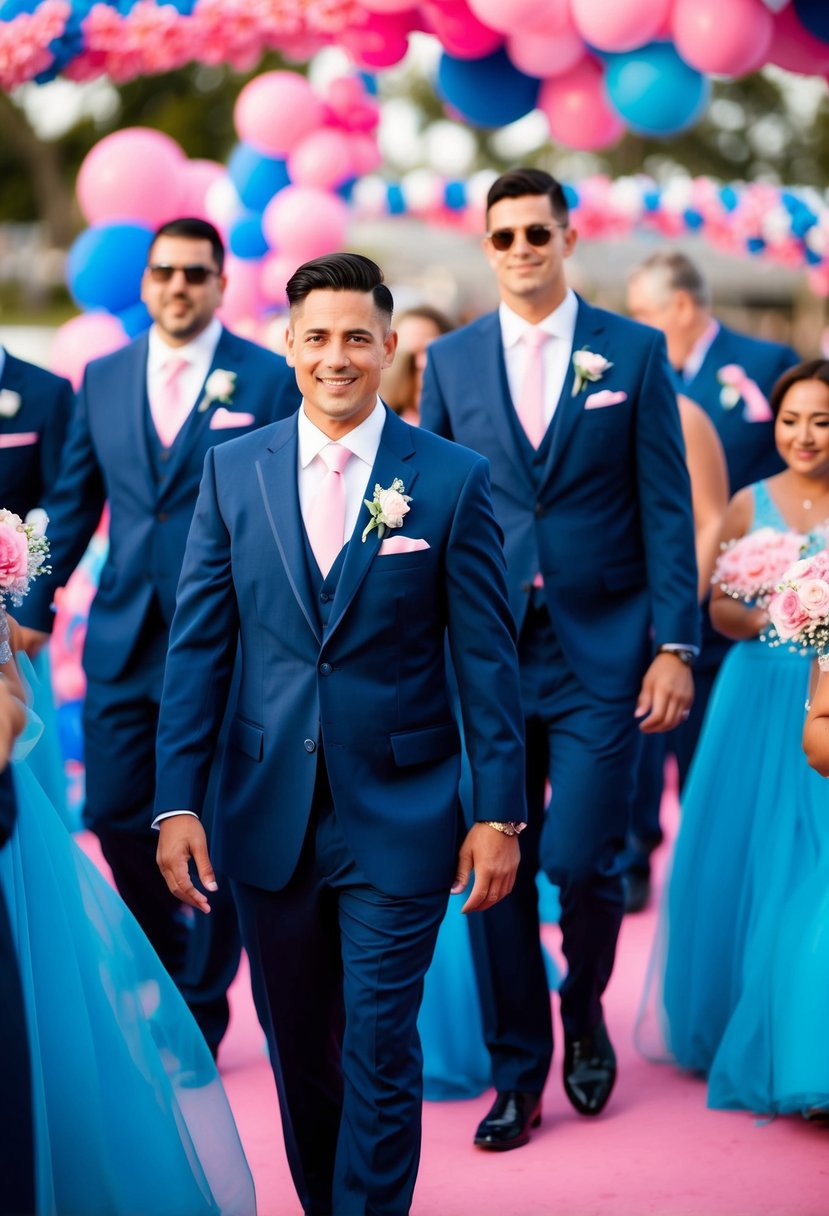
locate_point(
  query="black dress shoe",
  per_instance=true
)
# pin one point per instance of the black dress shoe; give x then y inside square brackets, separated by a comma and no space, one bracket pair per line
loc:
[589,1071]
[637,885]
[509,1121]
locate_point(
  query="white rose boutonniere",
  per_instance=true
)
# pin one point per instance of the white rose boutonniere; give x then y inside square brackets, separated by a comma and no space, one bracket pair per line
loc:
[388,507]
[589,368]
[219,386]
[10,403]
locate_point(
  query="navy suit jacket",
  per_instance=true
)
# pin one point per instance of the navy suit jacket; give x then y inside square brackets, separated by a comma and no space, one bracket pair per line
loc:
[32,440]
[610,525]
[371,689]
[749,446]
[107,459]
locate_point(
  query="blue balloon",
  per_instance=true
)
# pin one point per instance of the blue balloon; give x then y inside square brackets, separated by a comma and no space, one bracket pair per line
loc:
[257,178]
[246,238]
[70,731]
[135,319]
[571,195]
[814,16]
[395,199]
[654,90]
[489,92]
[729,198]
[693,218]
[105,266]
[454,196]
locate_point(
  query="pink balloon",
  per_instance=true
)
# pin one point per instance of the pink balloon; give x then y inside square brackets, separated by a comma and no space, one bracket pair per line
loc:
[242,299]
[542,54]
[322,159]
[303,223]
[727,39]
[794,48]
[620,26]
[577,111]
[134,174]
[276,270]
[275,111]
[351,105]
[196,177]
[508,15]
[82,339]
[365,154]
[387,6]
[381,41]
[459,30]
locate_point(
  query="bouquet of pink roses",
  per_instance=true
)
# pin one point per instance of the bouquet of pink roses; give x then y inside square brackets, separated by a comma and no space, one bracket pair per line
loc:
[751,567]
[23,553]
[800,609]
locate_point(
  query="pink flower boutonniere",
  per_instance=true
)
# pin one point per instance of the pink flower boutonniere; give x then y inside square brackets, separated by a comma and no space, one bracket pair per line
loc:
[23,553]
[388,507]
[589,368]
[219,386]
[736,386]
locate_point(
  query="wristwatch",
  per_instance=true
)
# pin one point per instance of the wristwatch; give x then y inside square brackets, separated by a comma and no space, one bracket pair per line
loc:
[508,828]
[683,653]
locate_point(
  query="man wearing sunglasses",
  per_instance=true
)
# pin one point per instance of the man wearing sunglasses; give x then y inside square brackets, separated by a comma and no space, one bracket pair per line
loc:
[574,408]
[145,418]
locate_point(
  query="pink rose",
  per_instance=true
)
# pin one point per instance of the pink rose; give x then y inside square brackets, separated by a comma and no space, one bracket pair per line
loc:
[393,506]
[814,596]
[591,364]
[731,374]
[14,555]
[787,613]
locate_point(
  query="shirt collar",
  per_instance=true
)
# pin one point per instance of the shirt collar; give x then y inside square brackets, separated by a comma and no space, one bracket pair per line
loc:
[561,323]
[697,353]
[363,441]
[2,361]
[200,349]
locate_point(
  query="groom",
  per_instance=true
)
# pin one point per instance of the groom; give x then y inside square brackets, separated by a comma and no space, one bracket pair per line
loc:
[338,814]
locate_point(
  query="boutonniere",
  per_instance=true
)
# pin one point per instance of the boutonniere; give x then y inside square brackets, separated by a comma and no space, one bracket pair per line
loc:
[589,368]
[737,386]
[219,386]
[10,403]
[730,378]
[387,508]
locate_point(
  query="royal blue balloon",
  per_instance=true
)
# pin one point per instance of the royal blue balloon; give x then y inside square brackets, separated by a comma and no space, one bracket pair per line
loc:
[813,15]
[454,196]
[135,319]
[105,266]
[489,92]
[729,198]
[257,178]
[693,218]
[395,199]
[246,238]
[755,244]
[571,195]
[654,90]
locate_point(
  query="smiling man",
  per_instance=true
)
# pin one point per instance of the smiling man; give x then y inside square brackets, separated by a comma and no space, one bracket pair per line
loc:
[338,819]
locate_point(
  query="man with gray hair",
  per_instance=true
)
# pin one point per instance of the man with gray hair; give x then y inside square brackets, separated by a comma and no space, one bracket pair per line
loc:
[730,375]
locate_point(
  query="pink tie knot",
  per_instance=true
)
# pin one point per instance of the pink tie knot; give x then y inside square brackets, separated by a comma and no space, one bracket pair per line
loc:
[535,337]
[335,457]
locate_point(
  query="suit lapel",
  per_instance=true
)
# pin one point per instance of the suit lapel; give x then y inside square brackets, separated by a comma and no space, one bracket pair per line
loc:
[492,373]
[589,326]
[276,473]
[394,459]
[226,356]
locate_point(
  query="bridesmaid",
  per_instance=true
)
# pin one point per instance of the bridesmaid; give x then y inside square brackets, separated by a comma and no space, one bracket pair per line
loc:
[745,987]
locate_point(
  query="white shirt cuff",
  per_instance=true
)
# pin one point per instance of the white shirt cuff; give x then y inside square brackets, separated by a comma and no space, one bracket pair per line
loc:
[169,815]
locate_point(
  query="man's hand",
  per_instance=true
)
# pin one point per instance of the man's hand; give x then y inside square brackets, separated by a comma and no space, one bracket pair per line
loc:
[494,857]
[666,696]
[31,641]
[179,838]
[12,721]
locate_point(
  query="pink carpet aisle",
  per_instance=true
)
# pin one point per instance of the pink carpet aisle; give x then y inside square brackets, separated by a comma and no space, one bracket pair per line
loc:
[655,1150]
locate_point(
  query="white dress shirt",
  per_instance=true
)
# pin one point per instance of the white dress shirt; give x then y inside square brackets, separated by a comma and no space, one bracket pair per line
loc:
[697,353]
[363,442]
[198,354]
[556,353]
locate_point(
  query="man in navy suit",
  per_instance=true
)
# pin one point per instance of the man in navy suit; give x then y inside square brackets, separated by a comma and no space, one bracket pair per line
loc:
[35,408]
[592,494]
[339,818]
[731,376]
[141,447]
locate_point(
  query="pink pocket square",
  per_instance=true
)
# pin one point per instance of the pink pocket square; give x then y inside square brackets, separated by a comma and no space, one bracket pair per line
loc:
[598,401]
[22,439]
[402,544]
[223,419]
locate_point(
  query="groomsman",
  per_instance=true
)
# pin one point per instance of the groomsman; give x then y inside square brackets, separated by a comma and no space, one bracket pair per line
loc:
[339,817]
[35,408]
[731,376]
[574,408]
[145,418]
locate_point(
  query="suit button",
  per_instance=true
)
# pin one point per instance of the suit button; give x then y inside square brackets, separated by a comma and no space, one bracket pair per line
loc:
[325,669]
[324,597]
[526,587]
[164,455]
[310,746]
[539,510]
[162,517]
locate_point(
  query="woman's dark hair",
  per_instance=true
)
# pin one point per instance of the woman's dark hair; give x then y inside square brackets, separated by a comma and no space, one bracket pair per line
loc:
[425,311]
[811,369]
[518,183]
[194,230]
[340,272]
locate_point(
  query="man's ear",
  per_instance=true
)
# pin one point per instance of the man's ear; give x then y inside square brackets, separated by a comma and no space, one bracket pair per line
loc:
[289,346]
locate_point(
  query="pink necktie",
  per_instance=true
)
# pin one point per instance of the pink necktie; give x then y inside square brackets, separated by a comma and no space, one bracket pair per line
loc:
[169,408]
[530,404]
[325,524]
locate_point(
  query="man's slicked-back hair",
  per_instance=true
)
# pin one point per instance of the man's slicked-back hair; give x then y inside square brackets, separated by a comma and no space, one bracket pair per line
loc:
[340,272]
[194,230]
[518,183]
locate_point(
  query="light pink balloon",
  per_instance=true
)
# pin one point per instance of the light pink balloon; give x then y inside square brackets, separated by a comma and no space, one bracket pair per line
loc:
[577,110]
[794,48]
[459,30]
[508,15]
[82,339]
[303,223]
[134,174]
[621,25]
[322,159]
[727,39]
[275,111]
[365,154]
[243,298]
[276,270]
[196,177]
[545,54]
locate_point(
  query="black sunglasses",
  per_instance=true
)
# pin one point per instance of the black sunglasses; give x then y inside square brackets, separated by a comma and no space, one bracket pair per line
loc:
[536,234]
[160,272]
